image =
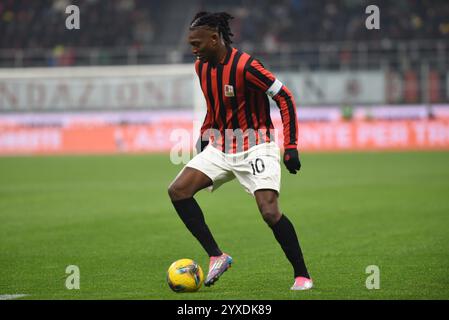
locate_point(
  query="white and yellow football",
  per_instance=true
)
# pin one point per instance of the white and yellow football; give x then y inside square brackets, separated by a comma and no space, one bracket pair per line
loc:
[185,275]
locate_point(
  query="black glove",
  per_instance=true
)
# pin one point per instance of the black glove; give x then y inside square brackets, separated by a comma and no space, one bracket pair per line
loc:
[201,144]
[291,160]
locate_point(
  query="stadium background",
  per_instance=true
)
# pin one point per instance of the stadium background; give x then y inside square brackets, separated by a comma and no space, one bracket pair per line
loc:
[373,109]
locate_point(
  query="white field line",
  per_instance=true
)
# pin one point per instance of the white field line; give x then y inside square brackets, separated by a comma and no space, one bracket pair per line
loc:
[12,296]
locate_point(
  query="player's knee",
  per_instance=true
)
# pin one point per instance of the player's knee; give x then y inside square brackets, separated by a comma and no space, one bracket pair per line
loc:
[177,192]
[270,214]
[268,207]
[271,217]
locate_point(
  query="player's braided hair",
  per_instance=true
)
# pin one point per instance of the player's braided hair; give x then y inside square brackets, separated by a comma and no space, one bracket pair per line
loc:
[218,21]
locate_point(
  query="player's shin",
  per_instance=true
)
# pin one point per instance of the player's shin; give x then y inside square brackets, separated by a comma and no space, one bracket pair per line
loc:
[190,213]
[285,234]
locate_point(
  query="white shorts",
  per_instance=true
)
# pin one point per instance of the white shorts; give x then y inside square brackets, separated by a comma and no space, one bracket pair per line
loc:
[255,169]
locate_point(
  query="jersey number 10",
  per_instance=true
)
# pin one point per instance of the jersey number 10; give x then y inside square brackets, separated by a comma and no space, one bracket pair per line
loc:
[258,166]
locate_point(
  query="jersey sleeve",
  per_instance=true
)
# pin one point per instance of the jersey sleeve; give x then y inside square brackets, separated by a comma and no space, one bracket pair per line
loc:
[264,80]
[207,123]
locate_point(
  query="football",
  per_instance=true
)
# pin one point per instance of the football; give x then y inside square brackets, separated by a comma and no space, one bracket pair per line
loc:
[185,275]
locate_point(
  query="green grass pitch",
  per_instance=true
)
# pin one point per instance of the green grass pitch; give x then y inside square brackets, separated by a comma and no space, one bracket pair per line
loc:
[111,216]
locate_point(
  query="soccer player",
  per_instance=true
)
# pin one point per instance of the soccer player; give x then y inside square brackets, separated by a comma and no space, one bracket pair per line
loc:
[237,142]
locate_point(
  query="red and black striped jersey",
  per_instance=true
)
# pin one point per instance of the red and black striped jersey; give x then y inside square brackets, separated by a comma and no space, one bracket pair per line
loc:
[238,111]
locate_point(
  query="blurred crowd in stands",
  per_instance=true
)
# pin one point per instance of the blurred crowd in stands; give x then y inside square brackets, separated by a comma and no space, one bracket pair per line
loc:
[296,21]
[29,24]
[41,24]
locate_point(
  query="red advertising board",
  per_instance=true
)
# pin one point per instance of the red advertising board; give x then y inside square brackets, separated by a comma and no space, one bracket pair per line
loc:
[163,136]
